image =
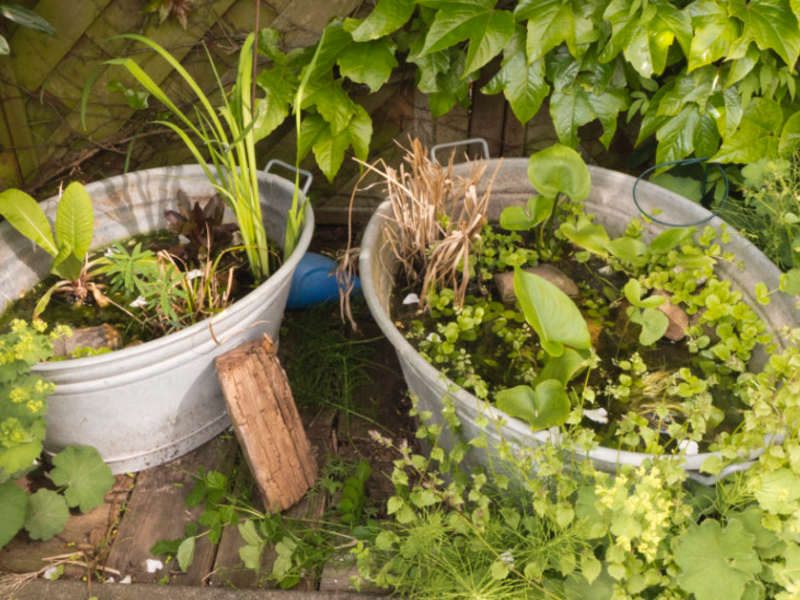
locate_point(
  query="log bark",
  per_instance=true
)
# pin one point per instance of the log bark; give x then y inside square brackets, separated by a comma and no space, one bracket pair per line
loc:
[267,423]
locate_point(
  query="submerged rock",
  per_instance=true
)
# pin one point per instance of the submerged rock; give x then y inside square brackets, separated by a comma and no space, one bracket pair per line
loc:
[101,336]
[505,281]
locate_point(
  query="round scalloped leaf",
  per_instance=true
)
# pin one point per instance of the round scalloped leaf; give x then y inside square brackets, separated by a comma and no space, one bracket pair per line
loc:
[47,515]
[84,474]
[561,169]
[716,563]
[13,499]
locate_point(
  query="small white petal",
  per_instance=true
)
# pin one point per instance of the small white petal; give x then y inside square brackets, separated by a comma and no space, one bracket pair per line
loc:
[598,415]
[194,274]
[153,565]
[411,299]
[507,557]
[110,580]
[51,573]
[138,303]
[433,337]
[183,239]
[689,446]
[127,579]
[110,251]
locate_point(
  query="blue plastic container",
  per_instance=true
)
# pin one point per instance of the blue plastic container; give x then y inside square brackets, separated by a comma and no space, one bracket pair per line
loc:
[314,282]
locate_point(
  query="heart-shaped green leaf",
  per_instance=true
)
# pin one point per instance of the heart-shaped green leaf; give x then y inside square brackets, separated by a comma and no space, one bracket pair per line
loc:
[551,313]
[547,406]
[633,292]
[523,218]
[654,324]
[563,368]
[84,474]
[559,169]
[587,235]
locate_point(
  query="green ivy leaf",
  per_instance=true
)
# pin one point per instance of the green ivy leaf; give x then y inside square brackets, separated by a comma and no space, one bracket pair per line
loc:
[370,63]
[550,22]
[47,514]
[387,17]
[716,564]
[84,474]
[757,135]
[329,149]
[790,136]
[331,101]
[714,32]
[676,136]
[554,317]
[524,84]
[547,406]
[14,500]
[488,30]
[279,87]
[770,24]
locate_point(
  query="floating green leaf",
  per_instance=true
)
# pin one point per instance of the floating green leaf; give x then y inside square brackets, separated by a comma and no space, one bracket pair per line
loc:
[84,474]
[547,406]
[47,514]
[559,169]
[13,499]
[716,563]
[551,313]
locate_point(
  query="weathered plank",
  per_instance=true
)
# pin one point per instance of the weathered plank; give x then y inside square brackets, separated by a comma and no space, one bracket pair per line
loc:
[156,512]
[267,423]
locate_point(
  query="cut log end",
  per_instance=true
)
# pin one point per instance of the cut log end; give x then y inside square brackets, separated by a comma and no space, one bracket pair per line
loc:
[267,423]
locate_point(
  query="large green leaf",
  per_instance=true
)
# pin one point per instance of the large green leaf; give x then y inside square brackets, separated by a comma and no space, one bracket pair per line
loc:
[559,169]
[279,86]
[75,219]
[716,563]
[47,514]
[677,135]
[333,40]
[369,62]
[714,32]
[757,135]
[790,136]
[551,313]
[488,30]
[329,148]
[547,406]
[645,35]
[770,24]
[550,22]
[13,499]
[27,217]
[385,18]
[331,102]
[84,475]
[779,492]
[524,84]
[563,368]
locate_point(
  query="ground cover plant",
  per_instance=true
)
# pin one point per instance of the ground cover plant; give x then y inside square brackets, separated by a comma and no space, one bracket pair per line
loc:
[79,477]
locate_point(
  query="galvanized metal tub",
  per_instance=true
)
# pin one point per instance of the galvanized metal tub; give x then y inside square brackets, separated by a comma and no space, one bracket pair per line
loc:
[147,404]
[611,201]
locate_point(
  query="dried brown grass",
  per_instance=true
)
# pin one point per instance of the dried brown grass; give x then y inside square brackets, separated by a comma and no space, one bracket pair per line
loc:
[438,218]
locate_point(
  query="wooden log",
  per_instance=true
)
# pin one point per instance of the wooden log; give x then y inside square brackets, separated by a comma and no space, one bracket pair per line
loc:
[267,423]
